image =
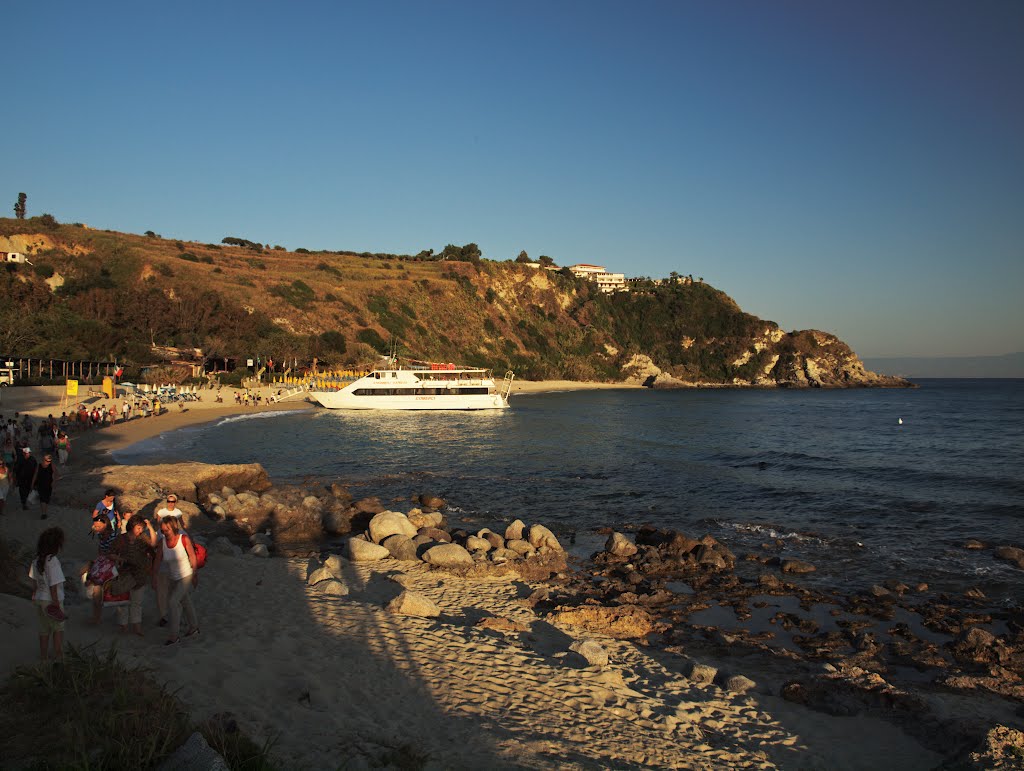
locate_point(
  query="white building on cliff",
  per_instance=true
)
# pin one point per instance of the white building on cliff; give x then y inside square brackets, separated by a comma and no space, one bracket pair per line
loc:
[606,282]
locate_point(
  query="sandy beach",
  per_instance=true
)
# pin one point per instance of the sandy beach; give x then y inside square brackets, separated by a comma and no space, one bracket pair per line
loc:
[338,681]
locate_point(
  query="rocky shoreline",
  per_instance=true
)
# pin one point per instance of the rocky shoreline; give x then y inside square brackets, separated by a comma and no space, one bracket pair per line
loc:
[948,670]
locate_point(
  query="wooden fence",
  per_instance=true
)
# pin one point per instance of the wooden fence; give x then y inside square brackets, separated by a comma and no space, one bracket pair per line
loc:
[57,369]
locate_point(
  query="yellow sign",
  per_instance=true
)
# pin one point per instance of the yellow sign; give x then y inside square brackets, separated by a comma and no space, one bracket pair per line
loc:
[108,387]
[72,388]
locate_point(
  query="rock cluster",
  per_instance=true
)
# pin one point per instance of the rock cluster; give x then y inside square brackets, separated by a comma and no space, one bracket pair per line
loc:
[420,536]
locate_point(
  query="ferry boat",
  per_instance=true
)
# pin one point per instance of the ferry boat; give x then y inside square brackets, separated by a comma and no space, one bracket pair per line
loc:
[421,386]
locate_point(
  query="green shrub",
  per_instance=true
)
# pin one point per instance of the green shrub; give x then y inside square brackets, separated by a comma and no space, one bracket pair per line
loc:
[188,256]
[298,293]
[334,340]
[43,270]
[372,339]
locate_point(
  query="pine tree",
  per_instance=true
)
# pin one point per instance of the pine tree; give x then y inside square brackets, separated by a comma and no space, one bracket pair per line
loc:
[19,207]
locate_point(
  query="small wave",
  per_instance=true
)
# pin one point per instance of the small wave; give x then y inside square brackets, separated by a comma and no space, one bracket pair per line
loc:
[255,416]
[772,532]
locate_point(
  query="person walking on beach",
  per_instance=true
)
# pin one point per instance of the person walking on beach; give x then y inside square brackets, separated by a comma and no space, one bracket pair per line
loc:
[176,551]
[48,596]
[45,476]
[63,448]
[5,484]
[170,509]
[25,471]
[133,553]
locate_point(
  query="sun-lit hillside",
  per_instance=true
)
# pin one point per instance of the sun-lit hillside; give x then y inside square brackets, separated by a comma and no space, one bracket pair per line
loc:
[103,295]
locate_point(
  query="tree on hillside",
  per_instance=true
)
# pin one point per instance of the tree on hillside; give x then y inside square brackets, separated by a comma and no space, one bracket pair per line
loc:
[19,207]
[545,260]
[523,257]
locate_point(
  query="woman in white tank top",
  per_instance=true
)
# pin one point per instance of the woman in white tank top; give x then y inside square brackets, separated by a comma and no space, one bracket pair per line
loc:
[177,552]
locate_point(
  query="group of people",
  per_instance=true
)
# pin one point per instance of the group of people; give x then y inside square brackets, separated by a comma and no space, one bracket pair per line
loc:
[130,557]
[19,469]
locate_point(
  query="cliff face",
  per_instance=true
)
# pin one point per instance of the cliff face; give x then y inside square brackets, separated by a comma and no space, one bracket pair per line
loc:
[101,295]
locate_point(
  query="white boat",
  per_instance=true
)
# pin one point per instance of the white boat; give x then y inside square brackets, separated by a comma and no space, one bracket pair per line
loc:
[423,387]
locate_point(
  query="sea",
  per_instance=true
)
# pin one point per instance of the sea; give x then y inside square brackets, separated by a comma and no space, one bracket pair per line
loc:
[866,484]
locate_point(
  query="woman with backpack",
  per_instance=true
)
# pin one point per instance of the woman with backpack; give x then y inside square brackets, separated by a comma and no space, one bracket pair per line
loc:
[178,554]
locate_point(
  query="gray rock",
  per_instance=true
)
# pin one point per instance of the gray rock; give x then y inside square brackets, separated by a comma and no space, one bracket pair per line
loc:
[504,555]
[261,539]
[592,651]
[259,550]
[364,551]
[702,673]
[431,502]
[620,545]
[413,604]
[194,755]
[213,499]
[520,547]
[495,540]
[321,573]
[336,564]
[226,492]
[388,523]
[474,543]
[514,532]
[333,587]
[400,547]
[222,545]
[312,502]
[738,684]
[435,534]
[218,511]
[540,536]
[448,555]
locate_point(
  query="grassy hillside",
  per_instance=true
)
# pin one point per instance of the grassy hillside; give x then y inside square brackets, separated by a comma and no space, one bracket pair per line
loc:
[95,294]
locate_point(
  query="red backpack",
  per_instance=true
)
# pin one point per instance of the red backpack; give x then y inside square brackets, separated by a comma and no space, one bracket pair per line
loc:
[200,551]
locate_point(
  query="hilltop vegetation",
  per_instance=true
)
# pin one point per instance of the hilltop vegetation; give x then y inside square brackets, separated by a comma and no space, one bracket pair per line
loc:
[102,295]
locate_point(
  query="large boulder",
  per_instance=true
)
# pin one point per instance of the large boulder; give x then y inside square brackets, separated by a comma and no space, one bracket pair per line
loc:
[448,555]
[364,551]
[475,543]
[388,523]
[539,536]
[620,546]
[190,481]
[400,547]
[410,603]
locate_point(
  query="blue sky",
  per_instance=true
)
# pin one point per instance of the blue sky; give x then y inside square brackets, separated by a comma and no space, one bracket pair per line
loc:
[854,167]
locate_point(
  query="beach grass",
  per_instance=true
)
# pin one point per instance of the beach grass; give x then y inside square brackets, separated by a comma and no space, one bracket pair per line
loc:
[91,711]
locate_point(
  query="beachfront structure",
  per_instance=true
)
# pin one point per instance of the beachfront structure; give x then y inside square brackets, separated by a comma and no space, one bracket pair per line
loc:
[13,257]
[606,282]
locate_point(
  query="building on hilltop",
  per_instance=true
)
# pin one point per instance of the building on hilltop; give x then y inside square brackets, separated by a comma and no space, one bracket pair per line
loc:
[606,282]
[13,257]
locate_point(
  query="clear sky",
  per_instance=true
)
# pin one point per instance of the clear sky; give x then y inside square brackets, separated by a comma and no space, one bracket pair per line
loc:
[854,167]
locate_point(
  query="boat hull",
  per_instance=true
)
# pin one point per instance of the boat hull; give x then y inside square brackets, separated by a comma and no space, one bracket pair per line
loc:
[340,400]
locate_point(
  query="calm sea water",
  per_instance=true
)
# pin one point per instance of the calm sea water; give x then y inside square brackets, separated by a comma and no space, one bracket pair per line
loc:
[832,473]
